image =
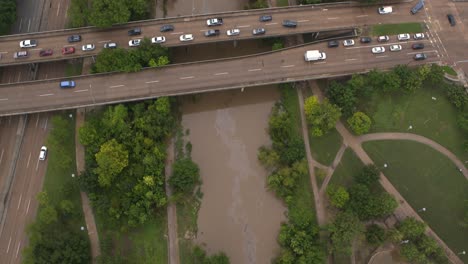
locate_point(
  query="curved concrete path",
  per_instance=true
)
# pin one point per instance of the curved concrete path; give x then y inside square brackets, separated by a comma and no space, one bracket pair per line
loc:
[417,138]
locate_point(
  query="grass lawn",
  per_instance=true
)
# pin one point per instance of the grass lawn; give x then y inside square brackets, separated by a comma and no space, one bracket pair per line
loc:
[434,119]
[291,103]
[449,70]
[187,216]
[73,68]
[349,166]
[303,198]
[320,176]
[282,3]
[428,179]
[394,29]
[324,148]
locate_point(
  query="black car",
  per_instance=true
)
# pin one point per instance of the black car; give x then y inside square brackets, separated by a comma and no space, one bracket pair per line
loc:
[420,56]
[265,18]
[212,33]
[333,43]
[451,20]
[418,46]
[134,32]
[289,23]
[74,38]
[366,40]
[166,28]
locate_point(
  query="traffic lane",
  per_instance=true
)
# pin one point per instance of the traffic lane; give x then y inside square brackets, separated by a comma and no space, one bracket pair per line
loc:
[25,186]
[8,129]
[190,77]
[309,21]
[28,16]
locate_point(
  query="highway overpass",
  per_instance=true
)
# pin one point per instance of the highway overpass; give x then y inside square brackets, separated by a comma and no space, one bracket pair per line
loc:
[310,19]
[286,65]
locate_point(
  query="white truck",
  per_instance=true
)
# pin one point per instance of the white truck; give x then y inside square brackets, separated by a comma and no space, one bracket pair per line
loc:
[214,22]
[314,55]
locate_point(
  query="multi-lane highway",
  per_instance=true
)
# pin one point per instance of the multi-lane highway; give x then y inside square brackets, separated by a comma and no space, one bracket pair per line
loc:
[310,19]
[274,67]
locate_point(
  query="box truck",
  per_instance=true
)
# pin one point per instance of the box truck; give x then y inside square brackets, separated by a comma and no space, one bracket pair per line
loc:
[314,55]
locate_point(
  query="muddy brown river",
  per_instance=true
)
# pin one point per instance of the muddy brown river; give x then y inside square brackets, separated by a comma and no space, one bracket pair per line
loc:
[238,215]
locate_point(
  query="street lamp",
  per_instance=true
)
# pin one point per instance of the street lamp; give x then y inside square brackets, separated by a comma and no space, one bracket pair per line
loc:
[422,209]
[405,241]
[462,253]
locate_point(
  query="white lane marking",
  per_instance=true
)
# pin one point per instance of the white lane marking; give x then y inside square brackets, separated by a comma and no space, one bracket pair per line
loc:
[362,16]
[1,156]
[37,164]
[3,52]
[177,33]
[115,86]
[325,9]
[244,26]
[21,23]
[350,59]
[58,9]
[187,77]
[323,62]
[221,73]
[37,120]
[8,248]
[252,70]
[383,56]
[29,24]
[46,94]
[3,99]
[36,49]
[269,24]
[104,41]
[27,208]
[288,66]
[80,91]
[19,203]
[46,120]
[203,30]
[17,250]
[303,20]
[332,18]
[425,51]
[29,159]
[155,81]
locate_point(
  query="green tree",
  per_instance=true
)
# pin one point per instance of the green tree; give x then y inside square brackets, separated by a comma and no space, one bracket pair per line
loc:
[78,13]
[343,231]
[368,176]
[338,196]
[119,59]
[390,82]
[411,228]
[375,235]
[257,4]
[48,215]
[462,121]
[111,159]
[105,13]
[411,253]
[360,123]
[457,96]
[268,157]
[8,17]
[284,181]
[343,96]
[321,116]
[277,45]
[185,176]
[436,75]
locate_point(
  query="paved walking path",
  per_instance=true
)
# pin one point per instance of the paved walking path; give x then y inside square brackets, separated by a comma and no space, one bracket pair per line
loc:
[173,242]
[331,170]
[87,210]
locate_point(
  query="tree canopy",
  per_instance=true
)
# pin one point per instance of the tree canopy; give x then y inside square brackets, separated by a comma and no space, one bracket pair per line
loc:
[8,17]
[321,116]
[185,175]
[360,123]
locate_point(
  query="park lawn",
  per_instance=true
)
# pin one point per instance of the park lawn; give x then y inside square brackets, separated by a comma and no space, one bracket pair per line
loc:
[349,166]
[303,198]
[187,217]
[394,29]
[280,3]
[434,119]
[427,179]
[291,103]
[449,70]
[324,148]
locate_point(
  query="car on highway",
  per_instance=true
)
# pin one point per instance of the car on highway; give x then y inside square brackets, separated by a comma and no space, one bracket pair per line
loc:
[418,36]
[417,46]
[134,32]
[333,43]
[404,36]
[134,42]
[110,45]
[383,39]
[451,20]
[383,10]
[186,37]
[166,28]
[43,153]
[88,47]
[378,50]
[20,54]
[419,5]
[46,52]
[74,38]
[214,22]
[258,31]
[395,47]
[68,50]
[289,23]
[419,56]
[67,84]
[212,33]
[366,40]
[265,18]
[158,40]
[233,32]
[29,43]
[348,42]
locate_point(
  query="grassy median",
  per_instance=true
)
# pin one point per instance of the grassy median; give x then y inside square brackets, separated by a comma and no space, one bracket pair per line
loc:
[394,29]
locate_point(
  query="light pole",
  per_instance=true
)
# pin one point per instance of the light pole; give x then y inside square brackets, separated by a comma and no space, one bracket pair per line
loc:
[462,253]
[422,209]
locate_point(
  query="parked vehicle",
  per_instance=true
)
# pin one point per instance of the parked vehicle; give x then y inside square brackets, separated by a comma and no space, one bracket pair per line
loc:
[348,42]
[417,7]
[214,22]
[404,36]
[314,55]
[417,46]
[451,20]
[383,39]
[419,36]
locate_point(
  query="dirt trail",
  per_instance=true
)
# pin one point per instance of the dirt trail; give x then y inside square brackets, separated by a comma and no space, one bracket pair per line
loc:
[87,210]
[173,243]
[404,210]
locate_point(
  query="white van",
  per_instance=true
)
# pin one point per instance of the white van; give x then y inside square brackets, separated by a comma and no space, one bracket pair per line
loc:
[385,10]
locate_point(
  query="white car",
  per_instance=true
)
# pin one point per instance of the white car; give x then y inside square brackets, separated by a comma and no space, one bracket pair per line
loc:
[405,36]
[134,42]
[383,39]
[29,43]
[377,50]
[186,37]
[418,36]
[385,10]
[348,42]
[88,47]
[233,32]
[43,153]
[157,40]
[395,47]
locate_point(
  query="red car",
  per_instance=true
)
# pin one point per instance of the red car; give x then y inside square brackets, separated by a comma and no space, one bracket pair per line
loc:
[68,50]
[46,52]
